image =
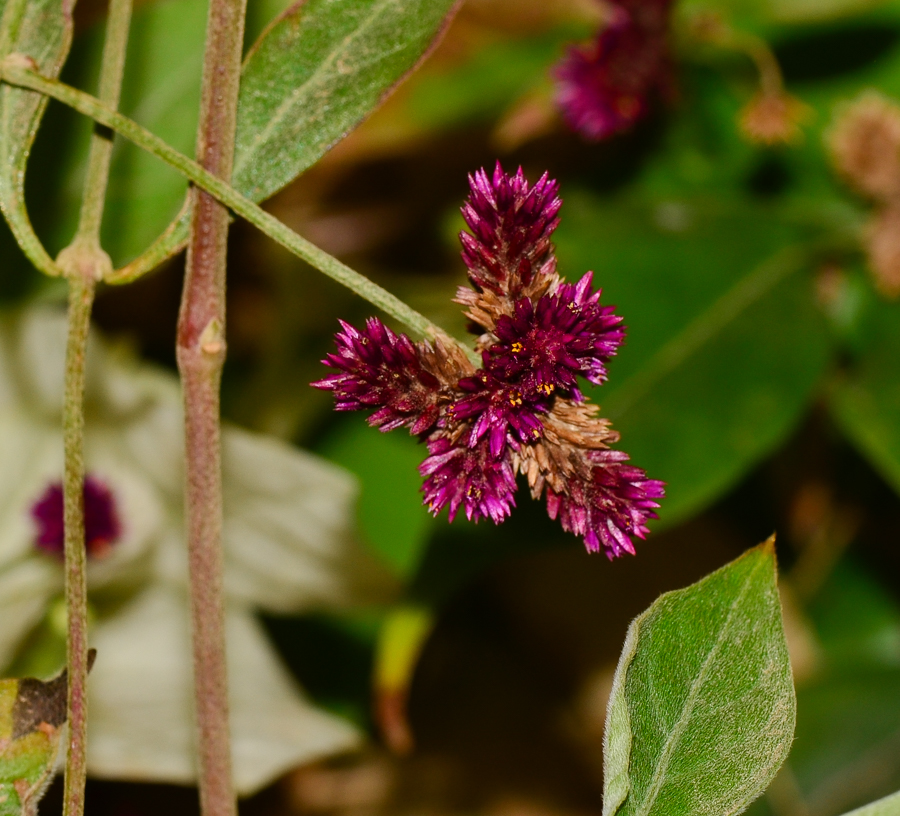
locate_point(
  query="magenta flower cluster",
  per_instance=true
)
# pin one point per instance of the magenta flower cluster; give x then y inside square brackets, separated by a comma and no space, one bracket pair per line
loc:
[522,411]
[606,87]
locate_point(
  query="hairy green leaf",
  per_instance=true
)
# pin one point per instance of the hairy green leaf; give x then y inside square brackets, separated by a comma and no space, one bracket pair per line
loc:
[702,709]
[40,31]
[31,715]
[316,72]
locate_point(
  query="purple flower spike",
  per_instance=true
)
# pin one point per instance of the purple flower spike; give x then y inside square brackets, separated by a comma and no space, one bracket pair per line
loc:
[605,88]
[511,225]
[102,528]
[381,369]
[609,508]
[467,477]
[547,346]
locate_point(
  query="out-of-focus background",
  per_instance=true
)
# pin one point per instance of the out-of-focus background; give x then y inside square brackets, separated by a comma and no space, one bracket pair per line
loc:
[758,379]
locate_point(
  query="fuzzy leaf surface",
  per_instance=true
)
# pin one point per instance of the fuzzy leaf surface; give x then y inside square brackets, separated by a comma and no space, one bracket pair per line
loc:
[315,73]
[702,709]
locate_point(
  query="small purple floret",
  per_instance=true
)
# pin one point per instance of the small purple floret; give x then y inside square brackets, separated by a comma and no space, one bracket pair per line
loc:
[469,478]
[511,225]
[102,528]
[607,510]
[381,369]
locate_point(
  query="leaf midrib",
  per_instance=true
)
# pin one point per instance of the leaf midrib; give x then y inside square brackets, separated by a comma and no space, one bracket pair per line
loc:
[658,778]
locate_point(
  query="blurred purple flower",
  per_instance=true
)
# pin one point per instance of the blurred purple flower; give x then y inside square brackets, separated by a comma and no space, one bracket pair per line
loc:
[605,87]
[522,411]
[102,527]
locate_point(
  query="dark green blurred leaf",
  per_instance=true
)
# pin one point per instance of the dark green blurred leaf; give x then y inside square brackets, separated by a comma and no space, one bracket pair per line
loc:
[391,512]
[316,72]
[866,402]
[42,31]
[847,747]
[702,708]
[855,619]
[161,91]
[725,345]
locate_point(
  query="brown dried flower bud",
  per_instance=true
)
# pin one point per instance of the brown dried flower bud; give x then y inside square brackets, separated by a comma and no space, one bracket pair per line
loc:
[865,145]
[773,118]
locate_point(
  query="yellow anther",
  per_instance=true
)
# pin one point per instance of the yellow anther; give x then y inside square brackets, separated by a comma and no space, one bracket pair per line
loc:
[516,347]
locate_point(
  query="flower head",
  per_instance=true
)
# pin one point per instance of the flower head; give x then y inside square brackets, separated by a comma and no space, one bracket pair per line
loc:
[511,223]
[606,87]
[522,411]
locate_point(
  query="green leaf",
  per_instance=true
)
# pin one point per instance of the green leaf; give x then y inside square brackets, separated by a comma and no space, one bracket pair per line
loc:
[725,344]
[702,708]
[889,806]
[315,73]
[31,715]
[866,402]
[41,31]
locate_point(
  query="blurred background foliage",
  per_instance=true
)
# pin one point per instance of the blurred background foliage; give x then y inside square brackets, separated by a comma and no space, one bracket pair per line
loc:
[759,380]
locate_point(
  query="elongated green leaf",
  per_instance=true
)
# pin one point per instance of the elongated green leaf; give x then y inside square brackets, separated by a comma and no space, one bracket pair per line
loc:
[316,72]
[702,709]
[866,403]
[314,75]
[889,806]
[41,31]
[31,713]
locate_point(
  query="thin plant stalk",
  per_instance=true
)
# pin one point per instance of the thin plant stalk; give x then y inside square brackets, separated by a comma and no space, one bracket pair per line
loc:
[16,74]
[81,297]
[200,352]
[84,263]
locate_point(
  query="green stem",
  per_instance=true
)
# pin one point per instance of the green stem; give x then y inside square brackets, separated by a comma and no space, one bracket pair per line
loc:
[200,352]
[89,106]
[81,296]
[84,263]
[111,71]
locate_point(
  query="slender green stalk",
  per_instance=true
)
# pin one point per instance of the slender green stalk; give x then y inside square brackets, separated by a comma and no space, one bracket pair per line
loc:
[111,71]
[200,352]
[84,263]
[242,206]
[81,297]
